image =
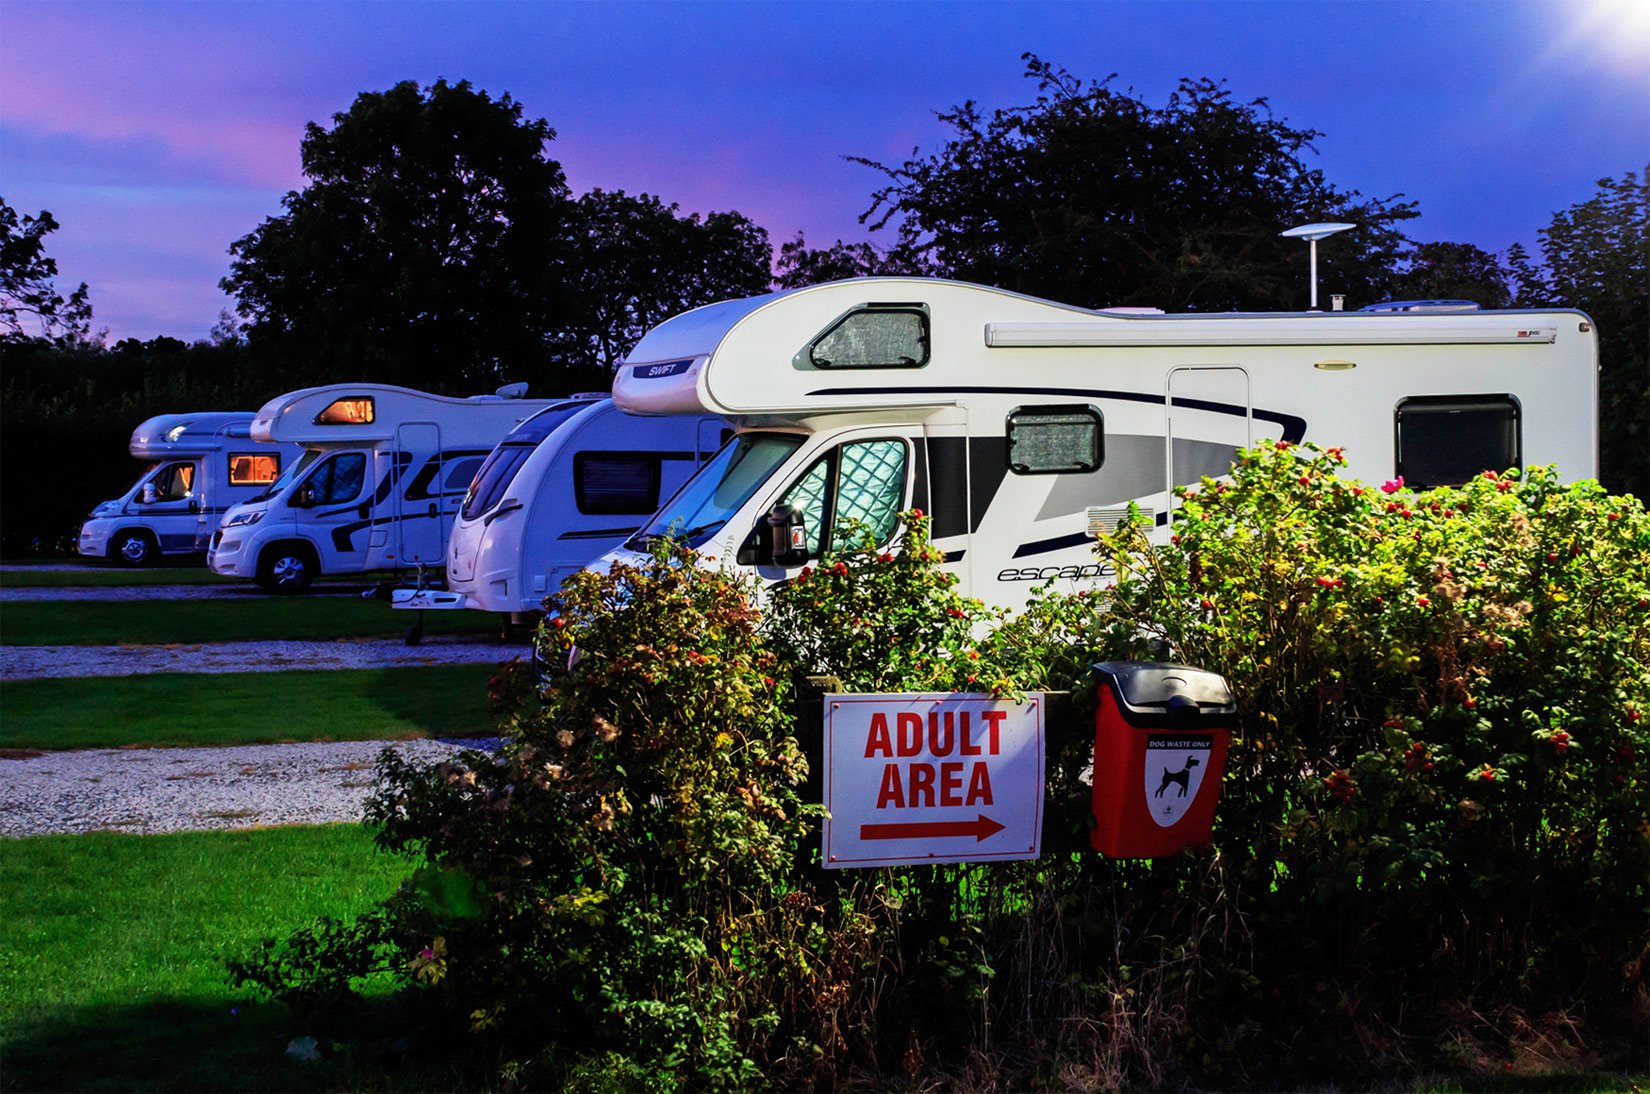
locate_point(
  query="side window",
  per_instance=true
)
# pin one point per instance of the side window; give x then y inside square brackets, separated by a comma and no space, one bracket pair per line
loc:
[358,410]
[808,495]
[338,480]
[175,482]
[861,481]
[874,336]
[1445,440]
[870,488]
[616,483]
[253,468]
[1055,440]
[460,474]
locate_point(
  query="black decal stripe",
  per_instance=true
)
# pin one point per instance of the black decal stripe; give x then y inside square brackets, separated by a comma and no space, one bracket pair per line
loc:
[955,556]
[1293,426]
[596,533]
[1060,543]
[948,481]
[987,464]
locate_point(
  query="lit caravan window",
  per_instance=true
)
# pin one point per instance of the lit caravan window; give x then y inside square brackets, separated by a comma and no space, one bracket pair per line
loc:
[253,468]
[874,336]
[1445,440]
[355,410]
[615,483]
[1055,440]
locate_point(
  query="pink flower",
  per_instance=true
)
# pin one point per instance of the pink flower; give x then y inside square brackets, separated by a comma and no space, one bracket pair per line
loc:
[1392,486]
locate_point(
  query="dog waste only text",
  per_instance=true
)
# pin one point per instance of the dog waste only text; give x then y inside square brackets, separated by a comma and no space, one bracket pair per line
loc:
[924,778]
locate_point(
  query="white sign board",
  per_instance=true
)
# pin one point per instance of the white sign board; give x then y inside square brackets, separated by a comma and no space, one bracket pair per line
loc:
[932,778]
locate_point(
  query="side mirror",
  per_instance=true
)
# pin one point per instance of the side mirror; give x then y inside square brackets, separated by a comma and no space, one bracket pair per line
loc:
[787,536]
[147,495]
[304,497]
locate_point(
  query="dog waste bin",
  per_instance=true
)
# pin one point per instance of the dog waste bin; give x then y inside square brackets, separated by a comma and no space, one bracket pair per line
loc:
[1160,739]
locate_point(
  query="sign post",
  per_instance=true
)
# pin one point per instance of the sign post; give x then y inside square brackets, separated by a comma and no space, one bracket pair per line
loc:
[928,778]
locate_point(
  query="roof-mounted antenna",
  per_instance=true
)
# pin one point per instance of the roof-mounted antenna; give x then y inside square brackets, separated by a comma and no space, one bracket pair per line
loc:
[1312,233]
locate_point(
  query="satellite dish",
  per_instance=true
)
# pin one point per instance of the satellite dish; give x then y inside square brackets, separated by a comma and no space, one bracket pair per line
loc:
[1315,232]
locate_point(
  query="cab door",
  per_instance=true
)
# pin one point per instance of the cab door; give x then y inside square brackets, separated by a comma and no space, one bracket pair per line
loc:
[421,526]
[857,487]
[329,508]
[174,514]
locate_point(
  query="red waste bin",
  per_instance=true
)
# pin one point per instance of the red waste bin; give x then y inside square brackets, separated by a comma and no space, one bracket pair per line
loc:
[1160,740]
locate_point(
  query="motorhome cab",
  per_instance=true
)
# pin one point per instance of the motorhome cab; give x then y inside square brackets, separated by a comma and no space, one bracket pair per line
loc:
[199,465]
[381,477]
[1025,427]
[564,487]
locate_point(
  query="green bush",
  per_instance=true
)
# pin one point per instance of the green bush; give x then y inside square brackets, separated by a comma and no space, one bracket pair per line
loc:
[1432,832]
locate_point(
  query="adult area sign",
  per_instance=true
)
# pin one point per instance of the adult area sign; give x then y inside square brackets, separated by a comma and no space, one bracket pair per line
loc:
[932,778]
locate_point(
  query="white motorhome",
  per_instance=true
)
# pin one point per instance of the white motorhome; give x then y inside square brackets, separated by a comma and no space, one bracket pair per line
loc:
[1024,427]
[564,487]
[199,466]
[381,477]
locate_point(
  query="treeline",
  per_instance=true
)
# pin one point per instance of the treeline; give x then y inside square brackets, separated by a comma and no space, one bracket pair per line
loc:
[436,244]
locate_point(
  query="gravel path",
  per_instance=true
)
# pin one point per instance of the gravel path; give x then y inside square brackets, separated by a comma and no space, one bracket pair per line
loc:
[50,662]
[177,789]
[162,592]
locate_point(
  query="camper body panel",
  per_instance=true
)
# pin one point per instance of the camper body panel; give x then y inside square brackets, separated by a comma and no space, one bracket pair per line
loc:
[382,476]
[1163,400]
[199,466]
[590,482]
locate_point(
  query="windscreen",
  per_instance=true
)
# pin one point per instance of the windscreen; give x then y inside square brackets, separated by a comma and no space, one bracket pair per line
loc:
[290,475]
[503,462]
[711,498]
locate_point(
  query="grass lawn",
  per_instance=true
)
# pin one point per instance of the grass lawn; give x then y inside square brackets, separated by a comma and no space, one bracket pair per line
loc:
[106,576]
[112,948]
[245,708]
[152,622]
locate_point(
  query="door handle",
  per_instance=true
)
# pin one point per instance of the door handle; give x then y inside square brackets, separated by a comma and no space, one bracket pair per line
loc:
[434,512]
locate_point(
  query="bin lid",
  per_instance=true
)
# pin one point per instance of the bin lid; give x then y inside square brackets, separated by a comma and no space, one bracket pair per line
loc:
[1150,687]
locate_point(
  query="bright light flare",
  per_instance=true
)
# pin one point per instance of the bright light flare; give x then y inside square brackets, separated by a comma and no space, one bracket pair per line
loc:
[1615,33]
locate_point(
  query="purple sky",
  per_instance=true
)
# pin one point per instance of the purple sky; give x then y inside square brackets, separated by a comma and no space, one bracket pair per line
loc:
[159,133]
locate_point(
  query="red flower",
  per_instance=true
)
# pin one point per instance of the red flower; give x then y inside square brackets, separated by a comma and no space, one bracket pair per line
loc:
[1552,556]
[1208,605]
[558,622]
[1491,475]
[916,514]
[1488,774]
[1612,516]
[840,569]
[1470,703]
[1504,485]
[1422,601]
[1282,446]
[885,557]
[1304,481]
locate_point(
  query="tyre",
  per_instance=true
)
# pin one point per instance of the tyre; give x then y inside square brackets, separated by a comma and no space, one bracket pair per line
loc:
[133,547]
[287,568]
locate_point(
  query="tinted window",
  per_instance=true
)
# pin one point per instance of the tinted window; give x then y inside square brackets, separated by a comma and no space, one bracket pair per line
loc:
[1054,440]
[460,474]
[174,482]
[339,479]
[711,497]
[876,337]
[616,482]
[1445,440]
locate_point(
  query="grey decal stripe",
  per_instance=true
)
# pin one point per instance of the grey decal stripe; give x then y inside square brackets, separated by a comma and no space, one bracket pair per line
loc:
[1293,426]
[1060,543]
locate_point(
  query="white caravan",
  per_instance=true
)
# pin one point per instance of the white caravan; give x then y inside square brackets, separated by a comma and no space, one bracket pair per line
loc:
[563,488]
[199,465]
[1024,427]
[381,476]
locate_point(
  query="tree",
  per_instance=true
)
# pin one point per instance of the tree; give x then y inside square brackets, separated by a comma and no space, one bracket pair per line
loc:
[1090,195]
[27,289]
[1454,271]
[1596,257]
[427,248]
[640,262]
[801,265]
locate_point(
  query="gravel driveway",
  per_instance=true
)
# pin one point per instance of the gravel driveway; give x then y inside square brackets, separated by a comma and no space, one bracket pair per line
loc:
[46,662]
[160,592]
[177,789]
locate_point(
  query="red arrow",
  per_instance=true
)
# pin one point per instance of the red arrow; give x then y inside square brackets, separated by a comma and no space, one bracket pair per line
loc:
[980,827]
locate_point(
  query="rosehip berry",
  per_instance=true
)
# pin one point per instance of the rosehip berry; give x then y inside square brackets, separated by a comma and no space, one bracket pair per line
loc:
[916,514]
[1422,601]
[1470,703]
[1208,604]
[1552,556]
[1304,481]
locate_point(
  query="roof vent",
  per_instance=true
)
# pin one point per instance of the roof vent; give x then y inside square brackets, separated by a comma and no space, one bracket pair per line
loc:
[1442,306]
[511,391]
[1132,311]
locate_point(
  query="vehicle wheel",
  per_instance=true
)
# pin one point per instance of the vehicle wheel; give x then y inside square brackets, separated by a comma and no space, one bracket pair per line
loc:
[133,548]
[286,569]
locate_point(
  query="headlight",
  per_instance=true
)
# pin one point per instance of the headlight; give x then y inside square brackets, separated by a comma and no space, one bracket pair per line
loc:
[107,509]
[240,519]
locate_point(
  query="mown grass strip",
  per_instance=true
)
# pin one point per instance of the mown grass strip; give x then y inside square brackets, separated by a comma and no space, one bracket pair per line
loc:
[93,576]
[112,950]
[245,708]
[151,622]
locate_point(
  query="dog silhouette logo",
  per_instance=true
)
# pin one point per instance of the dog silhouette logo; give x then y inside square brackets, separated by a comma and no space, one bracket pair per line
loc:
[1172,778]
